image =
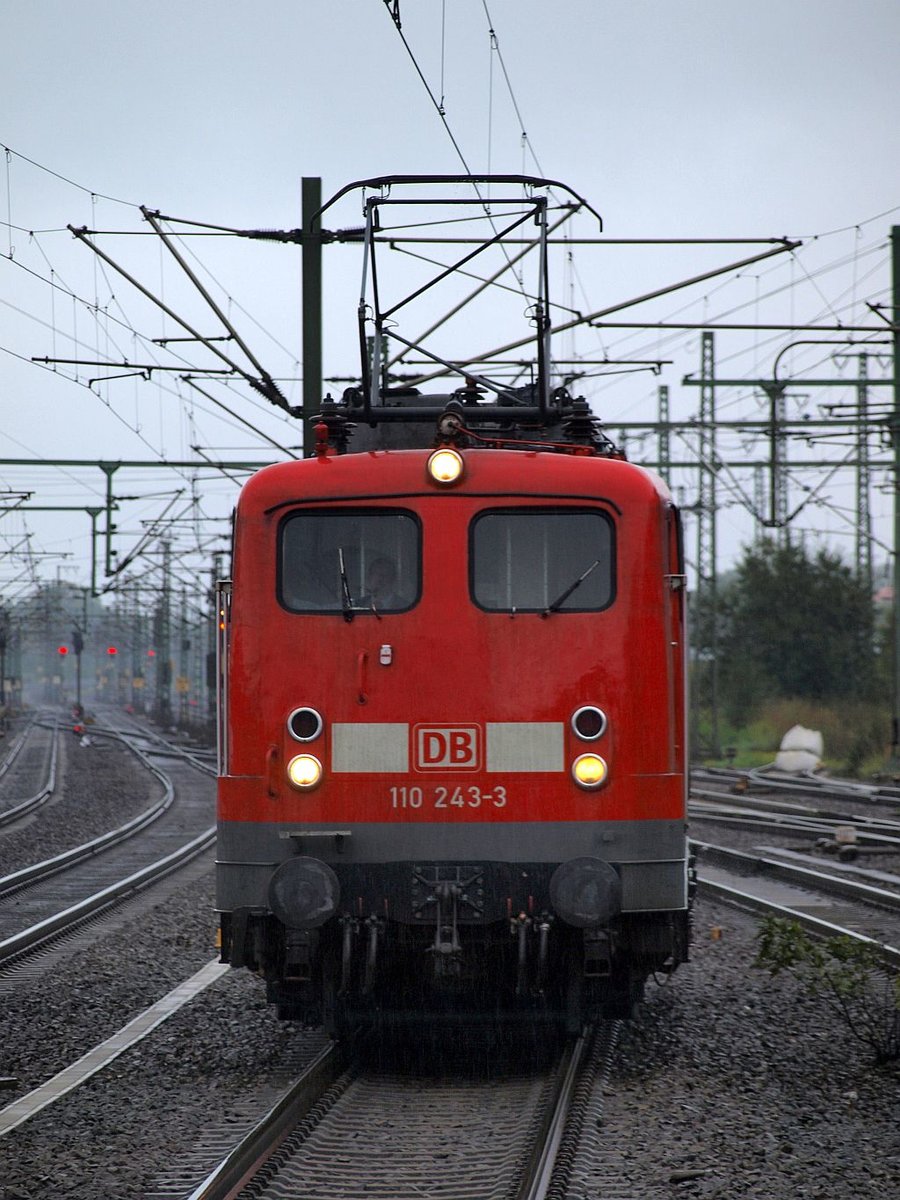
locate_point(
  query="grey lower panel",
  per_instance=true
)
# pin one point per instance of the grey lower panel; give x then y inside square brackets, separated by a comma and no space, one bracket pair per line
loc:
[649,855]
[509,841]
[652,886]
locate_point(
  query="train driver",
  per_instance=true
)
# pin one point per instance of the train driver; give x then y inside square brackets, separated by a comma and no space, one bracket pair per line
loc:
[381,585]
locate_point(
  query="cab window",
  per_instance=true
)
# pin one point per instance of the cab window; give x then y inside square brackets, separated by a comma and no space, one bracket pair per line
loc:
[348,561]
[535,560]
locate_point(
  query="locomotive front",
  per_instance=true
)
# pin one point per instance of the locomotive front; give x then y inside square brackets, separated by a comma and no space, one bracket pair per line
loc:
[452,737]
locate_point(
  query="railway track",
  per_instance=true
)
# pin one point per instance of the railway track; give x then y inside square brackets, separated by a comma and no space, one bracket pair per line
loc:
[823,903]
[28,773]
[808,784]
[508,1125]
[781,817]
[826,894]
[409,1142]
[50,898]
[791,807]
[346,1128]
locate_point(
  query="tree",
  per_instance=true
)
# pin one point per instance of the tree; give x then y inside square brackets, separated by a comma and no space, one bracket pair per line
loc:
[795,626]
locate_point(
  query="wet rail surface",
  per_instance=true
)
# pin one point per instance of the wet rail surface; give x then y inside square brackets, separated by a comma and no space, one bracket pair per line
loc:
[808,783]
[823,852]
[444,1140]
[380,1132]
[493,1123]
[840,820]
[181,813]
[28,770]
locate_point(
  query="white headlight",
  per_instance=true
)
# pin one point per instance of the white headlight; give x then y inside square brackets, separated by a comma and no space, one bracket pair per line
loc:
[445,465]
[304,771]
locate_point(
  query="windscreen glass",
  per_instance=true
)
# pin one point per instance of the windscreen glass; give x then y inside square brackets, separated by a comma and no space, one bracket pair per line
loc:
[535,560]
[350,561]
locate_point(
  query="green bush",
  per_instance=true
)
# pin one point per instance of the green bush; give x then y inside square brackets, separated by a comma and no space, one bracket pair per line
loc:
[848,976]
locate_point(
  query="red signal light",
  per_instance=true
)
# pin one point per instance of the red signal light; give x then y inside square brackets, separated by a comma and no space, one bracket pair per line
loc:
[151,654]
[111,650]
[62,650]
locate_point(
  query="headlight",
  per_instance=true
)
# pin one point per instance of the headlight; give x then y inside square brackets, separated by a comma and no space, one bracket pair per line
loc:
[589,722]
[304,772]
[590,771]
[304,724]
[445,465]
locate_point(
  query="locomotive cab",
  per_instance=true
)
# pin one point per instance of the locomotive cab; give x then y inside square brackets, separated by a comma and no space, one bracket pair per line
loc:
[454,735]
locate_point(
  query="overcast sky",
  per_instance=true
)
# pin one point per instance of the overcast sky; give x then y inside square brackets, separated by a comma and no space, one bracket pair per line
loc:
[693,119]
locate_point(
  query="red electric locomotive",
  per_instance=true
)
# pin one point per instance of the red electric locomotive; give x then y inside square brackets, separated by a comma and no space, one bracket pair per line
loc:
[452,734]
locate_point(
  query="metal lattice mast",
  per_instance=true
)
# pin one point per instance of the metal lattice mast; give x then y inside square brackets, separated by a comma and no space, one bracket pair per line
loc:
[863,510]
[217,573]
[759,503]
[163,642]
[663,443]
[706,490]
[182,683]
[707,677]
[894,424]
[778,480]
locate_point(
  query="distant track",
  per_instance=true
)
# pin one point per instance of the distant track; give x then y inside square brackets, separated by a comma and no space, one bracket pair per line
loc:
[47,899]
[863,904]
[29,768]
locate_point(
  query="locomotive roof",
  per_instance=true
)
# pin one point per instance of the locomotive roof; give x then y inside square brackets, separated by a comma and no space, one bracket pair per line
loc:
[504,473]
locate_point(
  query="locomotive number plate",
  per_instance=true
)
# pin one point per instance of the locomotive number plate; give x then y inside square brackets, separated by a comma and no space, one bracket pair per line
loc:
[448,797]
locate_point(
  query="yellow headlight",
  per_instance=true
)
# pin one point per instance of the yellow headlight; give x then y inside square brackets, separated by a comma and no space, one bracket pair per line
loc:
[590,771]
[445,465]
[304,771]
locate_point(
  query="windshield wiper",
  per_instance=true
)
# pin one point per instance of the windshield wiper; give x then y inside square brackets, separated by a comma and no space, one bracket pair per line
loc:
[560,600]
[346,598]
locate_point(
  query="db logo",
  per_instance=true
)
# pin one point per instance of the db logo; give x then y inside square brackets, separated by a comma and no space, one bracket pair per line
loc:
[441,746]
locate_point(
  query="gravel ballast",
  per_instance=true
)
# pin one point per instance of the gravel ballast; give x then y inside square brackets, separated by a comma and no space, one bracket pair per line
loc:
[100,787]
[733,1084]
[728,1085]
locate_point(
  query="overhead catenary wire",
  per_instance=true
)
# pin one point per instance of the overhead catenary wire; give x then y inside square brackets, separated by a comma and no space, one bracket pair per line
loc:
[394,8]
[125,323]
[495,49]
[65,179]
[439,107]
[721,315]
[105,312]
